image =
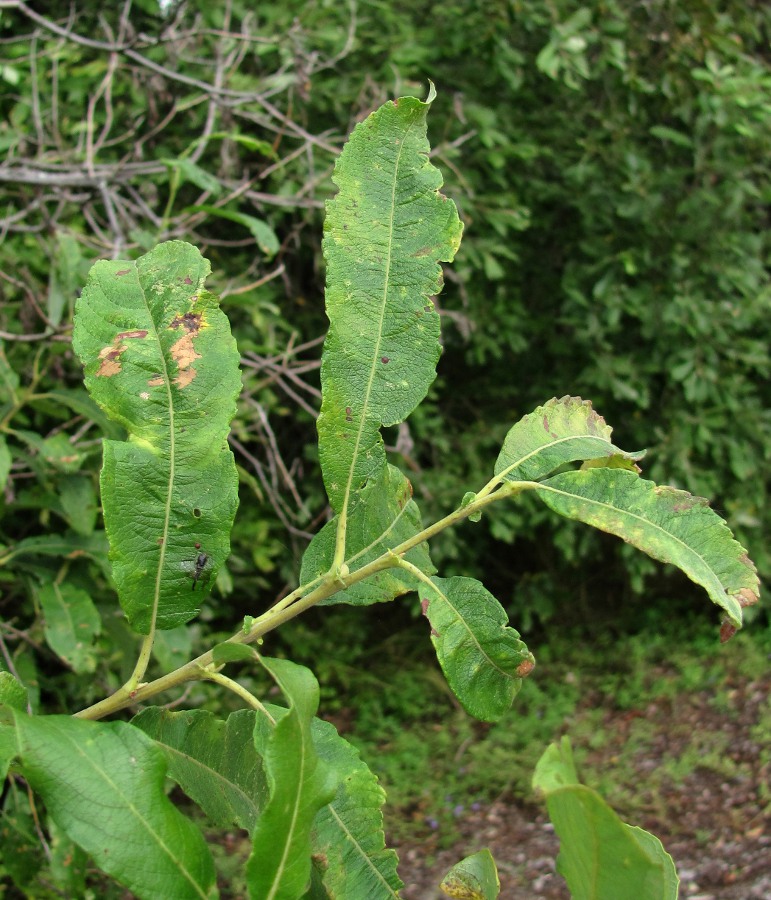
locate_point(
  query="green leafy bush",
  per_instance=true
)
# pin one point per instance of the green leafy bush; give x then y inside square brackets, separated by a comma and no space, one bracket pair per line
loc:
[160,362]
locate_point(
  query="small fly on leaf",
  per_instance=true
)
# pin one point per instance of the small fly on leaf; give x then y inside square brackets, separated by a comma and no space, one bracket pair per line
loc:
[198,567]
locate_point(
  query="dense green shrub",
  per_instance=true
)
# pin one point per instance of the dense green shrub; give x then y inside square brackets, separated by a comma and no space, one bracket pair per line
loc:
[609,167]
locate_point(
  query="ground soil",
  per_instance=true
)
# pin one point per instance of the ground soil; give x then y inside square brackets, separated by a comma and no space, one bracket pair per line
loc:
[717,827]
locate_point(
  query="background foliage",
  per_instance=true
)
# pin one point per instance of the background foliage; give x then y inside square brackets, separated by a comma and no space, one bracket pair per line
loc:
[609,164]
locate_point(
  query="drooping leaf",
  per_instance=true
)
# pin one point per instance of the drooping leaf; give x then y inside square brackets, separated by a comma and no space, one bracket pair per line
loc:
[160,360]
[381,517]
[482,657]
[473,878]
[186,170]
[348,839]
[214,761]
[71,622]
[384,235]
[102,783]
[667,524]
[601,857]
[559,432]
[69,546]
[300,785]
[262,233]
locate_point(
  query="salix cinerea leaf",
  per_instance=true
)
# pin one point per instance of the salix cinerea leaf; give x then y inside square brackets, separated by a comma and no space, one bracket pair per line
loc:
[601,857]
[382,516]
[482,657]
[300,784]
[103,785]
[348,833]
[217,765]
[213,761]
[559,432]
[160,360]
[668,524]
[384,235]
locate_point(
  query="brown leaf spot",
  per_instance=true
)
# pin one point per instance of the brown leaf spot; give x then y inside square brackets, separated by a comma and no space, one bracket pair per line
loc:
[188,279]
[156,382]
[747,597]
[424,251]
[525,668]
[184,377]
[424,606]
[110,364]
[139,333]
[183,352]
[727,631]
[122,272]
[348,416]
[191,322]
[385,360]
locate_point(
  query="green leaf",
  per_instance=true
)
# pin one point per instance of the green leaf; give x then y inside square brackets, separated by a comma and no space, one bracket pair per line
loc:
[71,623]
[214,762]
[68,863]
[601,857]
[69,546]
[5,462]
[79,504]
[482,658]
[216,765]
[173,648]
[670,134]
[227,652]
[667,524]
[102,783]
[262,233]
[20,850]
[64,278]
[348,834]
[12,692]
[300,785]
[382,516]
[473,878]
[160,360]
[384,235]
[559,432]
[190,171]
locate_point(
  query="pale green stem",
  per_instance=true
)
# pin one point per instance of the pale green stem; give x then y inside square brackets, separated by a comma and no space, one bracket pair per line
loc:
[238,689]
[329,585]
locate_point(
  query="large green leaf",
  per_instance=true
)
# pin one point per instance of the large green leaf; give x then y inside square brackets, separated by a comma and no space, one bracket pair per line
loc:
[601,857]
[559,432]
[384,235]
[300,785]
[482,658]
[71,623]
[381,517]
[103,785]
[667,524]
[348,839]
[214,761]
[160,360]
